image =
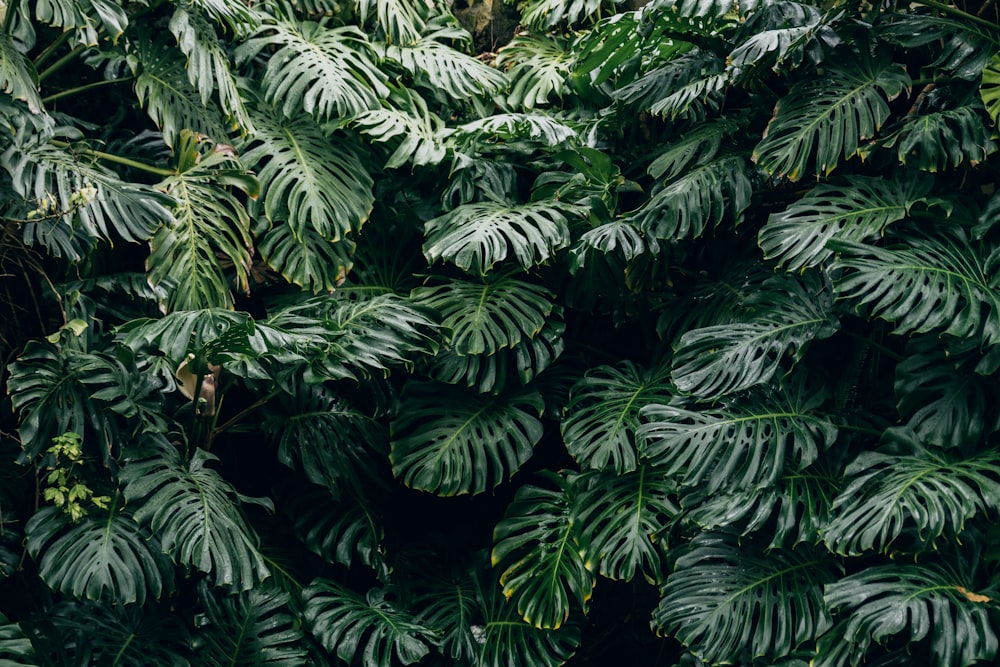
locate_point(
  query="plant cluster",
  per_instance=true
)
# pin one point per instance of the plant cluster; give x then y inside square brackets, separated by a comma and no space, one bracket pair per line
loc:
[670,333]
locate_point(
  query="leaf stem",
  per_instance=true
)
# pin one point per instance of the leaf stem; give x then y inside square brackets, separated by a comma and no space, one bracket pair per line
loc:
[955,11]
[232,421]
[118,159]
[51,48]
[892,354]
[84,88]
[62,62]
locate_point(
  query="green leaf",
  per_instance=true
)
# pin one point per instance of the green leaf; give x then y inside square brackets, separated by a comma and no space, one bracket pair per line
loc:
[541,15]
[15,648]
[944,140]
[538,545]
[932,282]
[514,126]
[474,446]
[670,85]
[86,16]
[823,120]
[374,630]
[722,359]
[894,502]
[326,72]
[537,66]
[196,515]
[104,557]
[695,148]
[307,259]
[203,333]
[475,237]
[348,531]
[744,444]
[422,132]
[602,416]
[620,518]
[858,211]
[256,627]
[17,75]
[723,599]
[931,601]
[989,88]
[492,314]
[402,21]
[447,70]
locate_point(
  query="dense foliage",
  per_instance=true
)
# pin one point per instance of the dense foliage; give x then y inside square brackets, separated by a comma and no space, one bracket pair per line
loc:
[664,335]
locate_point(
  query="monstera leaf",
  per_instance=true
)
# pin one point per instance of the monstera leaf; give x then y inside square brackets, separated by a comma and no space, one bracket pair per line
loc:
[253,628]
[602,415]
[989,90]
[374,630]
[723,599]
[200,332]
[742,445]
[824,120]
[474,446]
[17,76]
[933,283]
[546,567]
[400,21]
[15,648]
[722,359]
[105,556]
[196,515]
[904,502]
[327,72]
[931,601]
[668,86]
[475,237]
[309,178]
[858,210]
[943,140]
[307,259]
[513,126]
[420,132]
[484,316]
[347,531]
[446,69]
[620,518]
[541,15]
[537,66]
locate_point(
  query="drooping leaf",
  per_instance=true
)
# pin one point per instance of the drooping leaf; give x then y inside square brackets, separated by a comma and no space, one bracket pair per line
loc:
[307,259]
[421,133]
[857,211]
[445,68]
[602,416]
[824,120]
[541,15]
[402,21]
[722,599]
[620,518]
[537,66]
[894,502]
[475,237]
[374,629]
[670,81]
[474,446]
[104,557]
[17,76]
[943,140]
[196,515]
[743,444]
[538,545]
[204,333]
[694,148]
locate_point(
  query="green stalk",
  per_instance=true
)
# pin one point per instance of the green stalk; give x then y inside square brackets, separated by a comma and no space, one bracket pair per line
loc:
[81,89]
[51,48]
[62,62]
[955,11]
[117,159]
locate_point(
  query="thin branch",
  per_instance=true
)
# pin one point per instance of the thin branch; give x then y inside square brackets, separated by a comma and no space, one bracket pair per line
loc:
[246,411]
[955,11]
[117,159]
[81,89]
[62,62]
[51,48]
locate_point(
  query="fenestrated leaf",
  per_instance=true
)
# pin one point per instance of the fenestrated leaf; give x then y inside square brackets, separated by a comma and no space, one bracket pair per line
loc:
[488,315]
[694,98]
[475,237]
[894,502]
[537,66]
[309,178]
[88,17]
[513,126]
[401,20]
[672,77]
[932,282]
[546,569]
[327,72]
[602,416]
[196,515]
[722,359]
[695,147]
[15,648]
[203,333]
[823,120]
[421,132]
[858,210]
[932,601]
[742,444]
[989,89]
[703,195]
[620,518]
[17,76]
[943,140]
[256,628]
[373,630]
[541,15]
[723,599]
[307,259]
[445,68]
[474,446]
[104,557]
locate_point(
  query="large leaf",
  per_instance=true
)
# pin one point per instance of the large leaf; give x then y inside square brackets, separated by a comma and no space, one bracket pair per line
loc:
[858,210]
[446,69]
[823,120]
[254,628]
[602,416]
[989,89]
[542,15]
[104,557]
[196,515]
[894,502]
[492,314]
[669,85]
[929,283]
[475,237]
[401,21]
[537,66]
[943,140]
[621,517]
[17,77]
[309,178]
[307,259]
[722,359]
[421,133]
[15,648]
[373,630]
[348,531]
[723,599]
[474,446]
[513,126]
[743,444]
[328,72]
[538,545]
[931,601]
